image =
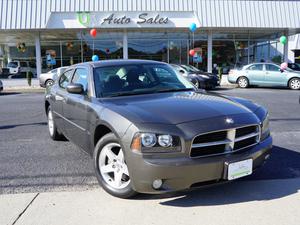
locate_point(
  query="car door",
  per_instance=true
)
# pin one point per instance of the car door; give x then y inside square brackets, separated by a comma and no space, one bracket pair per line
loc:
[275,77]
[76,109]
[255,73]
[58,97]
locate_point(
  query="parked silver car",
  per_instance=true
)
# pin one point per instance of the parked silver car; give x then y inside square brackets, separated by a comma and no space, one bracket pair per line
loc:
[265,74]
[47,79]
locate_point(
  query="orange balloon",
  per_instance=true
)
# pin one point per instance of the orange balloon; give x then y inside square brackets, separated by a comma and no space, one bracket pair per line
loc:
[192,52]
[93,32]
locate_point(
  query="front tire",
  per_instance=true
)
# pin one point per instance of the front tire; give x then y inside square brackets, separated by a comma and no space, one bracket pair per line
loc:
[243,82]
[111,168]
[294,84]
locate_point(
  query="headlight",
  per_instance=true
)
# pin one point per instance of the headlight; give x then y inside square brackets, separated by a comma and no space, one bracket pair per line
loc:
[150,142]
[165,140]
[148,139]
[265,130]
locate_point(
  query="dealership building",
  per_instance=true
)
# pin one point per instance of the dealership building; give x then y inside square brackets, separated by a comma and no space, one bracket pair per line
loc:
[53,33]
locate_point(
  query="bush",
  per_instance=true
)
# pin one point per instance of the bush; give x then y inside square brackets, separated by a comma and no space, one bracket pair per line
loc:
[29,76]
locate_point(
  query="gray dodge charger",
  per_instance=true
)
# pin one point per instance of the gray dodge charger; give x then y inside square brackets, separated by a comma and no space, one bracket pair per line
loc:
[149,130]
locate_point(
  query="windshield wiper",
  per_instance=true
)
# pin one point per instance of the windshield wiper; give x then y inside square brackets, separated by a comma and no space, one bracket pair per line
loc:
[128,93]
[175,90]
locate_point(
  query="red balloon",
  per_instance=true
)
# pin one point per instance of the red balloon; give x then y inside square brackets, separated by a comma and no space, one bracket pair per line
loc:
[192,52]
[93,32]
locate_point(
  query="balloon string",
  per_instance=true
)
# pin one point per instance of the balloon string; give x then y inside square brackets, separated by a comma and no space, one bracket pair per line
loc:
[93,46]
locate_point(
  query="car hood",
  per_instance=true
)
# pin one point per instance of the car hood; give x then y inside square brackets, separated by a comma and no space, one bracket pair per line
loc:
[173,108]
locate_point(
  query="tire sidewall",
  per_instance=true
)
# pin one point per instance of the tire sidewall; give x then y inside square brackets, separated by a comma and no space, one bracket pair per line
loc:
[126,192]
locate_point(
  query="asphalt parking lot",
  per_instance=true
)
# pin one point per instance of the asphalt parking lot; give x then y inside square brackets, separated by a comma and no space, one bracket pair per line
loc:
[47,182]
[31,162]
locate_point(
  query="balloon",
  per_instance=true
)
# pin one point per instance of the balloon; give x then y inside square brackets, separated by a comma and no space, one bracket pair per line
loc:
[95,58]
[193,27]
[283,40]
[283,66]
[192,52]
[93,32]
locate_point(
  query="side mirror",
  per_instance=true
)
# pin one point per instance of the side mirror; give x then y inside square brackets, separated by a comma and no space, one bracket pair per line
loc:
[281,70]
[181,71]
[75,88]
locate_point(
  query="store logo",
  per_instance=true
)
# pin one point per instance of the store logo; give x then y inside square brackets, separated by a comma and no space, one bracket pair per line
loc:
[84,18]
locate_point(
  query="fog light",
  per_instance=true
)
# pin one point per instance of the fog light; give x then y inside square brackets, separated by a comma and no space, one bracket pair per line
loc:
[157,184]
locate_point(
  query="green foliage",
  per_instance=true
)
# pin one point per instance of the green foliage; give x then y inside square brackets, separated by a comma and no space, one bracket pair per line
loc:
[29,76]
[276,59]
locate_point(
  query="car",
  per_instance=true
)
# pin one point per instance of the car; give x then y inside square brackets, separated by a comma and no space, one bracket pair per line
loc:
[1,86]
[17,68]
[149,130]
[48,79]
[294,66]
[265,74]
[199,78]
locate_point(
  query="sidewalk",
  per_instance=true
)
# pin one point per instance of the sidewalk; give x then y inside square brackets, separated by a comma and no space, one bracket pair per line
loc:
[274,202]
[20,84]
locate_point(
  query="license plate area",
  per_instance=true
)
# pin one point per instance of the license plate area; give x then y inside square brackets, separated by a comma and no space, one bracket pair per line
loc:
[239,169]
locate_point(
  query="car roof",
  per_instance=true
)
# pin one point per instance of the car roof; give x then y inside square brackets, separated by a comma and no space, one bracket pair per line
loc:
[115,62]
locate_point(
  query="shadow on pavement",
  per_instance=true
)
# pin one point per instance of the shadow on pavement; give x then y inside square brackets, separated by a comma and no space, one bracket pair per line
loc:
[10,93]
[20,125]
[277,176]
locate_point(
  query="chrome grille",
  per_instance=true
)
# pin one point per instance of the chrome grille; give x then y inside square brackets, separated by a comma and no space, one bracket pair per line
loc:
[225,141]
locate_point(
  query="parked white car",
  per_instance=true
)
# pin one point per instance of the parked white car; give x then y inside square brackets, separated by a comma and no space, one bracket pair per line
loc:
[48,79]
[18,67]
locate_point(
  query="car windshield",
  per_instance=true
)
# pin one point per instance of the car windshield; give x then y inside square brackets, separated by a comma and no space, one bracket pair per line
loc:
[134,79]
[190,69]
[194,68]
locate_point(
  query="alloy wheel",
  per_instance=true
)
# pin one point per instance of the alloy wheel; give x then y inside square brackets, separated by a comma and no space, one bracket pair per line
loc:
[243,82]
[113,167]
[295,84]
[49,83]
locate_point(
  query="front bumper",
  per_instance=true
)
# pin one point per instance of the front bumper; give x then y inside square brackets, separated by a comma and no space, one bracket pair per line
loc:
[184,173]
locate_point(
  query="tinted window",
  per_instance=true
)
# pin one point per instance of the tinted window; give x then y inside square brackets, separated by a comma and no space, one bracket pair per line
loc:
[12,64]
[256,67]
[81,77]
[271,67]
[64,79]
[137,79]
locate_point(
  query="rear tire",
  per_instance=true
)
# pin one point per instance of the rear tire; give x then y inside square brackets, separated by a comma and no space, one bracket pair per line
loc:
[243,82]
[49,82]
[111,168]
[53,132]
[294,84]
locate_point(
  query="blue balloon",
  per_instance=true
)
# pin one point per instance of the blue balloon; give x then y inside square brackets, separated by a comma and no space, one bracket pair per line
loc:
[193,27]
[95,58]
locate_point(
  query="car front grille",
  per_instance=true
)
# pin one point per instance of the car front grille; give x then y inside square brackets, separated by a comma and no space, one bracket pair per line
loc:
[225,141]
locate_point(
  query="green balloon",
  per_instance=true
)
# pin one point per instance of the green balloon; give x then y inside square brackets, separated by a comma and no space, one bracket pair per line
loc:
[283,40]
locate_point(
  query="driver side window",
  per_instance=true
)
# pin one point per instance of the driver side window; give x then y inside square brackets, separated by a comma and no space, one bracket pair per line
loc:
[65,78]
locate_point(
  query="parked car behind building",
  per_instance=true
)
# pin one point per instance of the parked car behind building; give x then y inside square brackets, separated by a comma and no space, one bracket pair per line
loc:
[47,79]
[265,74]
